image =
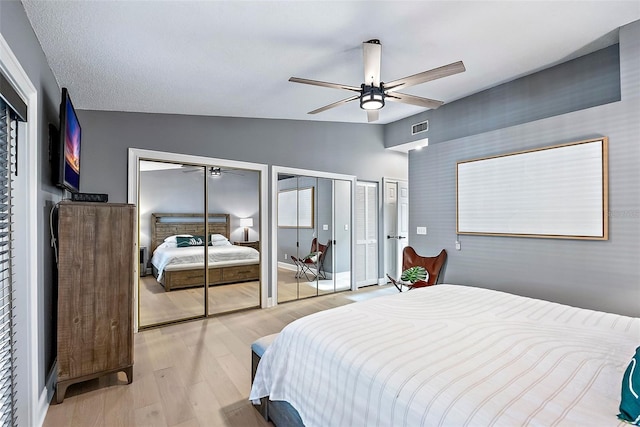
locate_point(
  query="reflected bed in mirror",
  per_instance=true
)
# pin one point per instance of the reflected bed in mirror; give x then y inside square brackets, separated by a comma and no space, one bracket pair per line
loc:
[178,257]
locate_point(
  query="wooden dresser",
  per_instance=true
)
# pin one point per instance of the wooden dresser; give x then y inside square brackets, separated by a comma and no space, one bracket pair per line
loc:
[96,259]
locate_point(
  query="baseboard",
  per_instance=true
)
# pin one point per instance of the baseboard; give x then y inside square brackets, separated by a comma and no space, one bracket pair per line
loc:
[287,266]
[382,281]
[46,396]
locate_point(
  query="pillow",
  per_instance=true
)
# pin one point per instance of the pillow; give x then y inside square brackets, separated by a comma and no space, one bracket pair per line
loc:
[218,238]
[167,245]
[414,274]
[220,243]
[173,238]
[630,402]
[312,257]
[184,242]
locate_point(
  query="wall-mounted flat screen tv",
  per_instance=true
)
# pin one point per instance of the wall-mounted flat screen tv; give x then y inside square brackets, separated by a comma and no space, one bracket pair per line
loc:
[68,157]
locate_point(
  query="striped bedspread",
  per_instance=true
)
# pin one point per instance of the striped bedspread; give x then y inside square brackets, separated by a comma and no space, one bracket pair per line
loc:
[451,355]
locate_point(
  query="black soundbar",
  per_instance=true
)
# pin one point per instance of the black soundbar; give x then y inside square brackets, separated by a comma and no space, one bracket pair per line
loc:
[90,197]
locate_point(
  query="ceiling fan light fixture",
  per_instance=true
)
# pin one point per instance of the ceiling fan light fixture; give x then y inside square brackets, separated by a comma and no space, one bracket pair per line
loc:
[371,98]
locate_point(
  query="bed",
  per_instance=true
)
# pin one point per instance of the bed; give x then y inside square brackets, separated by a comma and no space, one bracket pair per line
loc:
[178,268]
[449,355]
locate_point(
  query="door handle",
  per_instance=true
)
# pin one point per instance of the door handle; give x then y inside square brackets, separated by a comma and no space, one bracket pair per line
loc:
[391,237]
[401,237]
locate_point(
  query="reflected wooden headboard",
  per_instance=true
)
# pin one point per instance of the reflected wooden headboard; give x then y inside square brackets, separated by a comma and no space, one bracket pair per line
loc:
[164,225]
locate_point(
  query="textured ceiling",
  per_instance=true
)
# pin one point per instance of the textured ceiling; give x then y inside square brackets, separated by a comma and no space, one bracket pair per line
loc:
[233,58]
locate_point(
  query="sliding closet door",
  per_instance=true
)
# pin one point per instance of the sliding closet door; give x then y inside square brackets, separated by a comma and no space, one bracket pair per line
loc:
[314,236]
[287,230]
[234,285]
[168,188]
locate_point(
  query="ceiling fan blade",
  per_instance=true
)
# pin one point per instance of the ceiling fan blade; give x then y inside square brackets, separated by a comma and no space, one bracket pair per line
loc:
[371,52]
[335,104]
[191,168]
[323,84]
[413,100]
[425,76]
[373,115]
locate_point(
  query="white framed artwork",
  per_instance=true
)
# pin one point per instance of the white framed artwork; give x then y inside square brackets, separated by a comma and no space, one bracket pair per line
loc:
[554,192]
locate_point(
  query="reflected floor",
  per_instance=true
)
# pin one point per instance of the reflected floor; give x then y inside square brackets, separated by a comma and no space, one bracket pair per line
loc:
[290,288]
[158,306]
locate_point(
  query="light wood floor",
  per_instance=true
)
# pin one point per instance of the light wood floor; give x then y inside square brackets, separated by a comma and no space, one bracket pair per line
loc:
[158,306]
[192,374]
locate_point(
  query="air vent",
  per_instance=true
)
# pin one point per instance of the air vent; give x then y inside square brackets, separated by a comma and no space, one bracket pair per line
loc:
[420,127]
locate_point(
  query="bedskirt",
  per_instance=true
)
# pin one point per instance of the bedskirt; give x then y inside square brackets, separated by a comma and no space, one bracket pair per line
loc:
[181,278]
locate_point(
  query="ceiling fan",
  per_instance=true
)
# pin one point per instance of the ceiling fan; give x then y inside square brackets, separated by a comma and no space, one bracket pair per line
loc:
[373,93]
[212,171]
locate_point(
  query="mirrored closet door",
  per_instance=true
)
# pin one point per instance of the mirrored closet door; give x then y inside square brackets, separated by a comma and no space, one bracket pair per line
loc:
[314,236]
[234,263]
[170,208]
[180,251]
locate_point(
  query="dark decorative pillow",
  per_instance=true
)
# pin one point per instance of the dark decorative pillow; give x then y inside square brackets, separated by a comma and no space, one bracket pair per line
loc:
[184,242]
[630,403]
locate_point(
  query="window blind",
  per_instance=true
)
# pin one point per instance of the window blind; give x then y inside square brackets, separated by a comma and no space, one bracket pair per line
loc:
[8,138]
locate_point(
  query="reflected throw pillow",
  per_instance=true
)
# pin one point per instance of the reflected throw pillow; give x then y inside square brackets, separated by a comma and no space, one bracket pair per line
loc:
[184,242]
[312,257]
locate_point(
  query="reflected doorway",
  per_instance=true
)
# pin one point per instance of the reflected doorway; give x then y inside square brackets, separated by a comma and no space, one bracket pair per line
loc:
[396,223]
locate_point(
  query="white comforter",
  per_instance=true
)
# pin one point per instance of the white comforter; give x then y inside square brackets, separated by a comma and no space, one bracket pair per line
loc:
[193,256]
[451,356]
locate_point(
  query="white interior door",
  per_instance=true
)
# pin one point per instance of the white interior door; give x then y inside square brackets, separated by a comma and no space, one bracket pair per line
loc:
[396,224]
[366,267]
[403,217]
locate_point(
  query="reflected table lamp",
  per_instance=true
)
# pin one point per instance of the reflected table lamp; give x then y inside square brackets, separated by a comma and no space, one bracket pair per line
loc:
[246,223]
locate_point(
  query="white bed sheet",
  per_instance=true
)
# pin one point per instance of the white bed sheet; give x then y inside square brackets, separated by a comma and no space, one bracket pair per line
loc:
[219,256]
[451,355]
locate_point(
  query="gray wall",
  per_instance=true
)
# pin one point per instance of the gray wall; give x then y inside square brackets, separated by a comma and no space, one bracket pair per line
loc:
[600,275]
[17,31]
[594,80]
[298,144]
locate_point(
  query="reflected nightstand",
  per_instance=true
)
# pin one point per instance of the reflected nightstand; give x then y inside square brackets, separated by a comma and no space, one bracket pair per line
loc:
[252,244]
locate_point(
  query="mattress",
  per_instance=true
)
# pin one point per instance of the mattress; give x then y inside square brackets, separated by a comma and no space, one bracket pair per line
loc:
[172,258]
[451,355]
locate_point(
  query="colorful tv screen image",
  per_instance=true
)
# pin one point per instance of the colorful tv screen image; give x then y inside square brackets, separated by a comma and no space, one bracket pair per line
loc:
[72,148]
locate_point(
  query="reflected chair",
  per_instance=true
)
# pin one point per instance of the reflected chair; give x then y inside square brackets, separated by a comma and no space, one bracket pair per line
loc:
[312,265]
[433,265]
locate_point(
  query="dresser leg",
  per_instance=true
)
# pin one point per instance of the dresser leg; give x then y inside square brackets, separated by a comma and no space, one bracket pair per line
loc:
[129,373]
[61,389]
